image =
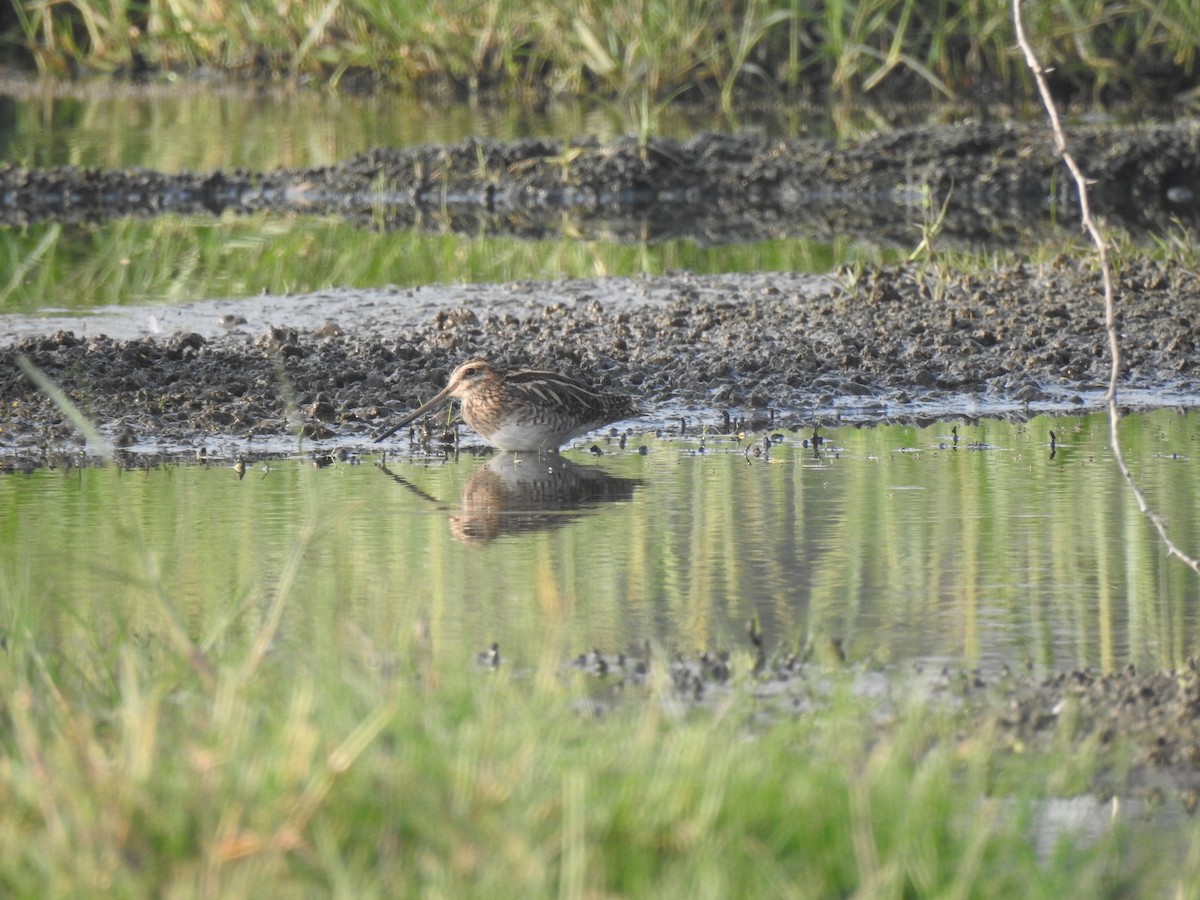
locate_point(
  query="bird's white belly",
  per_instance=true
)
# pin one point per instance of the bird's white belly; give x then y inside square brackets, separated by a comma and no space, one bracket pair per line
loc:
[516,436]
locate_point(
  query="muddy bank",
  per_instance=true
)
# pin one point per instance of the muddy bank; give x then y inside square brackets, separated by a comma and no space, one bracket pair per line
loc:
[1002,182]
[776,349]
[1155,713]
[1142,730]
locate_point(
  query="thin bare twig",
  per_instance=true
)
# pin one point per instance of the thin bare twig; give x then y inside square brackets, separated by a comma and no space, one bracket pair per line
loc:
[1110,307]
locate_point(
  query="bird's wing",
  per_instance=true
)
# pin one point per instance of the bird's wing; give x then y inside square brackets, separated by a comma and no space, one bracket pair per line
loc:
[552,389]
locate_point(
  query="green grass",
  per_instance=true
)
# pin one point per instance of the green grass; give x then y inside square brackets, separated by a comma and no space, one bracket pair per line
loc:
[637,52]
[125,771]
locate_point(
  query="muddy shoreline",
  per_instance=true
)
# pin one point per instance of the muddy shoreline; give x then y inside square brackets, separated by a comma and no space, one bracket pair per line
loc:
[907,343]
[1141,728]
[1000,183]
[777,350]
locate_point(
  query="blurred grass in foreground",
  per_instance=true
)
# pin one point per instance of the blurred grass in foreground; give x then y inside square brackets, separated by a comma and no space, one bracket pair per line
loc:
[125,771]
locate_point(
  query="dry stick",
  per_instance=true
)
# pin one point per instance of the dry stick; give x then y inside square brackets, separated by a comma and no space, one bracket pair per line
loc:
[1110,309]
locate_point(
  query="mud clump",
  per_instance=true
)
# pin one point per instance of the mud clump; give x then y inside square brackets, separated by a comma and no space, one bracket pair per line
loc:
[1141,729]
[1156,714]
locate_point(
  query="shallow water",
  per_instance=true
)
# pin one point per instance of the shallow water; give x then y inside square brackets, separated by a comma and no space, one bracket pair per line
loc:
[160,127]
[203,128]
[891,546]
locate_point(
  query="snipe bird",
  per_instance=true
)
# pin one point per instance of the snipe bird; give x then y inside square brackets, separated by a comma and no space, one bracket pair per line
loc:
[528,410]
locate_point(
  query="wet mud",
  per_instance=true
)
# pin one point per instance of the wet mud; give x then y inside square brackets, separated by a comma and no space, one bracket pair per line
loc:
[1157,714]
[1141,730]
[999,182]
[770,350]
[765,350]
[761,351]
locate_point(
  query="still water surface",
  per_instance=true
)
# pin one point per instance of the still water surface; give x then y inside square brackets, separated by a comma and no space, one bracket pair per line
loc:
[202,127]
[892,543]
[171,259]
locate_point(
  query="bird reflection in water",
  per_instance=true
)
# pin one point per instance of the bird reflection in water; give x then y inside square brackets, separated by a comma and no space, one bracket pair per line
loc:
[518,493]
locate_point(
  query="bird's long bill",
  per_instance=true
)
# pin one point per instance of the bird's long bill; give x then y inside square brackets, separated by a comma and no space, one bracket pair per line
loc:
[438,398]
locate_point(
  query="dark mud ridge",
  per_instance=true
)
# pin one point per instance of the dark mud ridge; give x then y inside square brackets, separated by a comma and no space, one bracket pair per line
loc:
[1141,729]
[1156,714]
[1001,182]
[775,349]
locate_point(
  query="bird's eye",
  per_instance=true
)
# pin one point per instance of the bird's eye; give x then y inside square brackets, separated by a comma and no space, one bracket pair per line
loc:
[470,373]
